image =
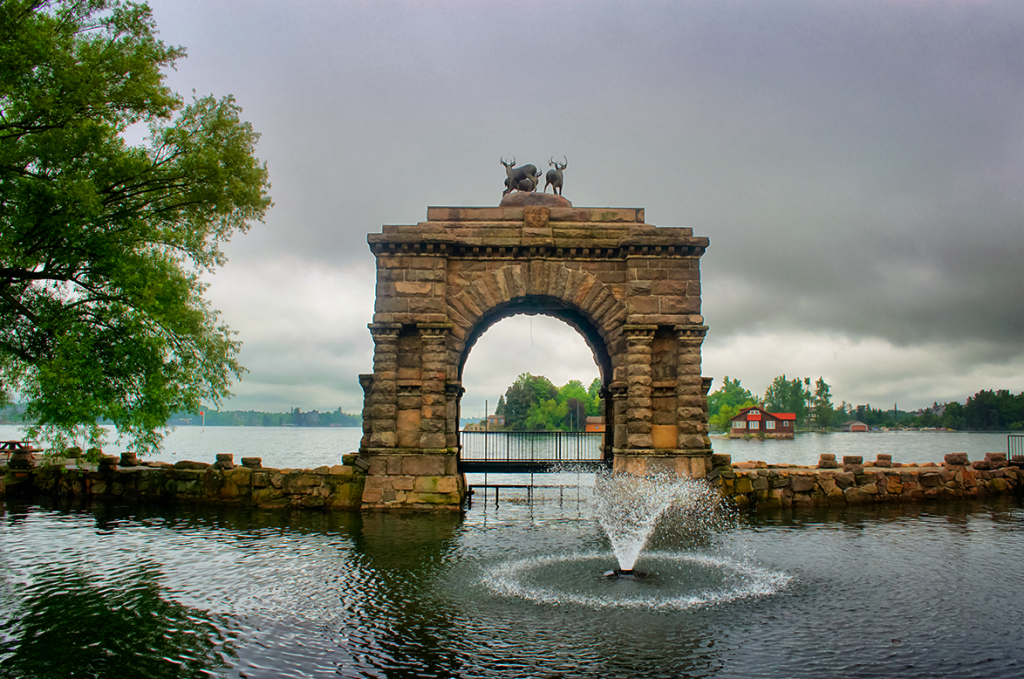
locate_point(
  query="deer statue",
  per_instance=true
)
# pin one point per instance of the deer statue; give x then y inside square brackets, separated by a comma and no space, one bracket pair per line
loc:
[554,177]
[525,178]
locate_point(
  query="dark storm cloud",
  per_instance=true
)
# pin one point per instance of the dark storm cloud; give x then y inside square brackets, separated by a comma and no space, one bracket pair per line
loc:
[859,162]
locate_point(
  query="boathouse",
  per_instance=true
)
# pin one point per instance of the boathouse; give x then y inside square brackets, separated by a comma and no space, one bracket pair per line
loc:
[757,421]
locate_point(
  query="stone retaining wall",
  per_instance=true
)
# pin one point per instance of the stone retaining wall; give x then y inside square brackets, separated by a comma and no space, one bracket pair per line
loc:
[341,487]
[338,487]
[760,485]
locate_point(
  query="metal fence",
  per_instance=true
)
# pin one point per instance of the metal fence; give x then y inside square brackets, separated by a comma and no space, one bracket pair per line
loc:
[1015,447]
[537,447]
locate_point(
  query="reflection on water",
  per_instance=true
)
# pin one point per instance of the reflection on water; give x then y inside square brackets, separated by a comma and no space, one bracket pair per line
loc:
[171,592]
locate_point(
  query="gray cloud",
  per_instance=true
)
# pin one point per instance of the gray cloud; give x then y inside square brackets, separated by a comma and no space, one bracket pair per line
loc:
[860,163]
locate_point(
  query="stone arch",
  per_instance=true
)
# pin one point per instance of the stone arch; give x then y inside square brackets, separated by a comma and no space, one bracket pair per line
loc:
[632,290]
[545,287]
[530,305]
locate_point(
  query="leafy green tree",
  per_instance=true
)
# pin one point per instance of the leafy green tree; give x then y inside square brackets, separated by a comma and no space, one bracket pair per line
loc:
[575,415]
[103,243]
[518,399]
[788,396]
[731,394]
[824,413]
[594,406]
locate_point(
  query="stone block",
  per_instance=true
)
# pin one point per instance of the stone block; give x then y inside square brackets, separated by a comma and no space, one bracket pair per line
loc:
[663,435]
[802,483]
[853,459]
[403,482]
[721,460]
[855,496]
[844,480]
[423,465]
[956,459]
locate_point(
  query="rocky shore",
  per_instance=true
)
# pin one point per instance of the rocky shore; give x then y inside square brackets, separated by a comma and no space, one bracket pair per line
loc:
[751,485]
[852,482]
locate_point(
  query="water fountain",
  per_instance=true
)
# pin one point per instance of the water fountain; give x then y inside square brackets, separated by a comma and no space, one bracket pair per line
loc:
[679,516]
[628,509]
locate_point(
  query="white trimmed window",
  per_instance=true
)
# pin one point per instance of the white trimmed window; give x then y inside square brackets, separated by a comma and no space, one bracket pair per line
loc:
[770,424]
[752,425]
[739,424]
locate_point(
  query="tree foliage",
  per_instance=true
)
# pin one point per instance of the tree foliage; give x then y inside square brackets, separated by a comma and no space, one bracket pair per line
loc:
[824,412]
[788,396]
[103,243]
[533,403]
[726,401]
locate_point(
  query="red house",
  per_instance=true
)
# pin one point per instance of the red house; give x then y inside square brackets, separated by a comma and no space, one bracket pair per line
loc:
[757,421]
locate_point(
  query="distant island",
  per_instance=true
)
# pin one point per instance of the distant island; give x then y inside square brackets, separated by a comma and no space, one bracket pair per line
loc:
[231,418]
[255,418]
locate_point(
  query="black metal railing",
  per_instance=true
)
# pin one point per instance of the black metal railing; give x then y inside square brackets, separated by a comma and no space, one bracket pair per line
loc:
[529,450]
[1015,448]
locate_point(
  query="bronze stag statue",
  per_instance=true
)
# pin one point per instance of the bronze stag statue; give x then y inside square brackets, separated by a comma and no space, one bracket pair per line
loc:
[525,178]
[554,177]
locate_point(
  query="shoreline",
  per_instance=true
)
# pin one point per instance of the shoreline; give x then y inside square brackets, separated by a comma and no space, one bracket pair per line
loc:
[747,485]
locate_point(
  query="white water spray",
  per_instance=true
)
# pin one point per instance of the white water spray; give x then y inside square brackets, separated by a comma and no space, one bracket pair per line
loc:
[628,508]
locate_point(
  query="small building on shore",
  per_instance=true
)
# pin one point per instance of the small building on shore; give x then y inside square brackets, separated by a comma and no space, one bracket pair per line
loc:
[757,421]
[855,425]
[595,423]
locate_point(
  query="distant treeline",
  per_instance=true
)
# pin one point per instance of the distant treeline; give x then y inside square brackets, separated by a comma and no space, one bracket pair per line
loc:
[987,410]
[255,418]
[232,418]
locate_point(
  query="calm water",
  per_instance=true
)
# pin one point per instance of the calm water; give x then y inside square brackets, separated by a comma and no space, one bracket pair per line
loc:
[513,591]
[311,447]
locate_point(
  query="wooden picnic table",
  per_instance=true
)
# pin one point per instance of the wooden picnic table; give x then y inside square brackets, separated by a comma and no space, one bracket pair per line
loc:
[8,447]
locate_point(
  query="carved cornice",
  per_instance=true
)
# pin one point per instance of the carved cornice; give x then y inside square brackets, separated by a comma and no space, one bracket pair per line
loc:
[691,331]
[384,331]
[637,332]
[383,246]
[434,330]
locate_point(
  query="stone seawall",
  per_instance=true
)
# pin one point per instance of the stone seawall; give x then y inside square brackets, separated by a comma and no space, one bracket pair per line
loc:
[338,487]
[759,485]
[752,485]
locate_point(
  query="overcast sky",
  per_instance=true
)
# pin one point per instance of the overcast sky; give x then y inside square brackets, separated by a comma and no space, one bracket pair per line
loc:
[857,165]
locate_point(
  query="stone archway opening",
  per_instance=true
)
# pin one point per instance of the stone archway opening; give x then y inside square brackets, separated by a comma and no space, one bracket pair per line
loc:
[585,340]
[631,289]
[525,342]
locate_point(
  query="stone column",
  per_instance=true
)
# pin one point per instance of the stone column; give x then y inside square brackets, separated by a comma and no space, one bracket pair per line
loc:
[366,382]
[434,371]
[453,392]
[382,406]
[639,413]
[691,412]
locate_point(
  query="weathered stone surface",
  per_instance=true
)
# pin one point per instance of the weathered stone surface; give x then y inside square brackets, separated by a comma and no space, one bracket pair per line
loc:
[521,199]
[844,480]
[956,459]
[189,464]
[803,483]
[856,496]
